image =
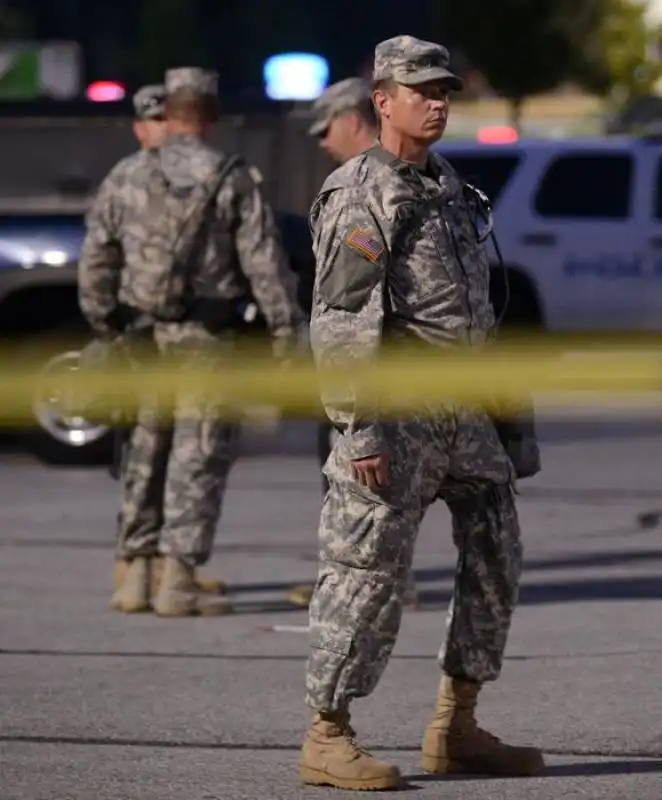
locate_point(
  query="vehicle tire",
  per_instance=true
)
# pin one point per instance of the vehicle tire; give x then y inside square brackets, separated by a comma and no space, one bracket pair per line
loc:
[61,436]
[523,314]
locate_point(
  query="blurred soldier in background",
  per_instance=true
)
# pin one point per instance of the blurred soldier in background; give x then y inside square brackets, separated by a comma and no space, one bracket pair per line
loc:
[345,123]
[344,119]
[143,258]
[149,129]
[149,122]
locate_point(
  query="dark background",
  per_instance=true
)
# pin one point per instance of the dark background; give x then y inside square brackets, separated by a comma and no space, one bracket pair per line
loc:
[125,41]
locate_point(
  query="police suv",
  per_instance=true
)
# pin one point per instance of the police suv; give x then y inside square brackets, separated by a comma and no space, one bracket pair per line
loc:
[579,227]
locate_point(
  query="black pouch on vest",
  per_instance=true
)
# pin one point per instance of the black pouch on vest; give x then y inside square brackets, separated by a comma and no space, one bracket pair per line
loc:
[517,433]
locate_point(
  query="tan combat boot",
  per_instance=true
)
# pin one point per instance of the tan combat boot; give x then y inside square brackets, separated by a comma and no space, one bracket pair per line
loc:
[180,596]
[204,582]
[133,594]
[453,742]
[331,757]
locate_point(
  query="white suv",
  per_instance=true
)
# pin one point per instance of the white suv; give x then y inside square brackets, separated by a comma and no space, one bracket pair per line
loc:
[579,225]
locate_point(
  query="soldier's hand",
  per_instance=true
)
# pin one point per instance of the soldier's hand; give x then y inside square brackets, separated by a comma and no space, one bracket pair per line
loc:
[371,472]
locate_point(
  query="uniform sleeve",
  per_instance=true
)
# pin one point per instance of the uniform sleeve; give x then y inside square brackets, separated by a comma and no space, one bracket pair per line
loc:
[264,262]
[100,261]
[348,313]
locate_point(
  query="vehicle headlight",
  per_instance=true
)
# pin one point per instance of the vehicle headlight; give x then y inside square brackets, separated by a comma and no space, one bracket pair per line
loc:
[53,258]
[29,259]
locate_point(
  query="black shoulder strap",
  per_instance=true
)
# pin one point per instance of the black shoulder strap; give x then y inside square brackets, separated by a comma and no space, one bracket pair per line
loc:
[217,179]
[212,186]
[191,230]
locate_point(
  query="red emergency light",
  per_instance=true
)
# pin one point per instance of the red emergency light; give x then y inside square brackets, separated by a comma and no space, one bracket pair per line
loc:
[499,134]
[105,92]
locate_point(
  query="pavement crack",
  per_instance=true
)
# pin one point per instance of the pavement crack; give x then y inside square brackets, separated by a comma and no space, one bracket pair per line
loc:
[52,653]
[187,744]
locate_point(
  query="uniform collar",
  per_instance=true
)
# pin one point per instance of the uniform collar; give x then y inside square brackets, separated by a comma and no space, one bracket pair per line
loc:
[404,168]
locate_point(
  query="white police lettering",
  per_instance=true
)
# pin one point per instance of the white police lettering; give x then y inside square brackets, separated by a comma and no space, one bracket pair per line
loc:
[613,267]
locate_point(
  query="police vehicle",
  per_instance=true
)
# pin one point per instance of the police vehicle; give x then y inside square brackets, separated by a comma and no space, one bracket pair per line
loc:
[579,227]
[39,311]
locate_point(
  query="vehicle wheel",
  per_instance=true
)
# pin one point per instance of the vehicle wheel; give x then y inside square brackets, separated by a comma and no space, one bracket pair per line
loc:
[62,436]
[523,313]
[523,316]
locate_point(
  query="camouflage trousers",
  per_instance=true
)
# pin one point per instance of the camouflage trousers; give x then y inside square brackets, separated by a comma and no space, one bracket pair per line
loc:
[366,548]
[177,465]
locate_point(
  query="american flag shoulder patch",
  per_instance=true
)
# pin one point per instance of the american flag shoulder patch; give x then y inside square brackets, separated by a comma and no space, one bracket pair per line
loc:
[365,243]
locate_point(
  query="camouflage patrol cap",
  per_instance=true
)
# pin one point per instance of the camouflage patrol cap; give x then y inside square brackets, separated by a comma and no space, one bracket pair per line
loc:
[411,61]
[149,101]
[346,95]
[191,79]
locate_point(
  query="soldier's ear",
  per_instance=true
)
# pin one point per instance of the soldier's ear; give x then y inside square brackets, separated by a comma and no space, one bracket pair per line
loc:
[383,93]
[382,102]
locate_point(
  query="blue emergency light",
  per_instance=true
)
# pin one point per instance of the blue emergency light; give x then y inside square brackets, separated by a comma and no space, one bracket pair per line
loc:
[295,76]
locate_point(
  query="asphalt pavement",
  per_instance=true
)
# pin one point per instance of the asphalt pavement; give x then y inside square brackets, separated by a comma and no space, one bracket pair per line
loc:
[99,706]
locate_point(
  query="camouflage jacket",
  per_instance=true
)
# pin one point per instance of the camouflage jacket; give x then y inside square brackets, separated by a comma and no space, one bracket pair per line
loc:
[101,259]
[397,251]
[242,249]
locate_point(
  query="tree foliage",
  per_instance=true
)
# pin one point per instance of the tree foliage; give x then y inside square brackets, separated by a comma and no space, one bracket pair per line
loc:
[168,38]
[14,23]
[523,47]
[622,60]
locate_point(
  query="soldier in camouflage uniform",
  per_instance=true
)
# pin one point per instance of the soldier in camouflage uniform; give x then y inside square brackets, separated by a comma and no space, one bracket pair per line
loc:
[149,120]
[149,129]
[344,120]
[345,123]
[175,475]
[397,239]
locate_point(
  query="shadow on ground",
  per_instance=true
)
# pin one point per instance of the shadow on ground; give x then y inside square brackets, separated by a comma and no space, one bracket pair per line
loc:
[576,769]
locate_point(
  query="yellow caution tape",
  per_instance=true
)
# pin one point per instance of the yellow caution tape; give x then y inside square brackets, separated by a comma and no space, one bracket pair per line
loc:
[396,384]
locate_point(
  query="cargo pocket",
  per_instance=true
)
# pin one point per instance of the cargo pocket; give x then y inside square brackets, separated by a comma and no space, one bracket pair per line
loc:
[328,604]
[355,529]
[337,642]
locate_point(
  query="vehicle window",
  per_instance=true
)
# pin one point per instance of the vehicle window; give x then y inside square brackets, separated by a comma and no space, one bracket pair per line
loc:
[490,173]
[18,222]
[587,186]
